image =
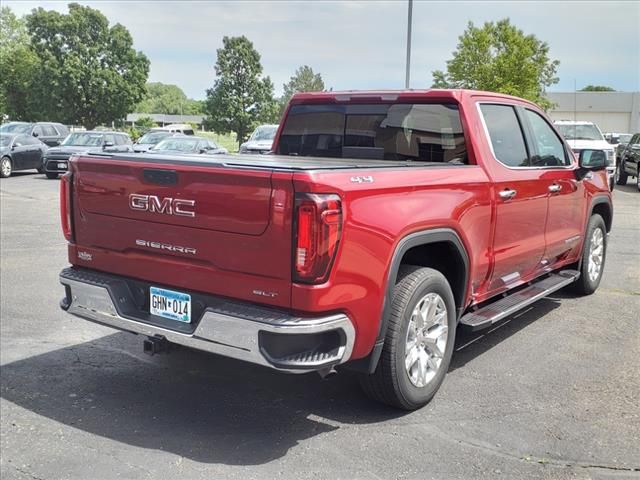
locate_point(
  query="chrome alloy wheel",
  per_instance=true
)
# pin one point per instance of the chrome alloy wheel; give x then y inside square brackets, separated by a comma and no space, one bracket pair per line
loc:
[426,339]
[5,167]
[596,254]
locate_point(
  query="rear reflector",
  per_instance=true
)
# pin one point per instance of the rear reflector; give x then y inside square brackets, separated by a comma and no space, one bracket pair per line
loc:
[318,229]
[65,205]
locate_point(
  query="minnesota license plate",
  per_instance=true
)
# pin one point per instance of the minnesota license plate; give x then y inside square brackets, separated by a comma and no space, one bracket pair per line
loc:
[170,304]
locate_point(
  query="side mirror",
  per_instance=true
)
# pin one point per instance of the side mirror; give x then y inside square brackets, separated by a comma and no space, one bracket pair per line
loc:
[106,145]
[36,134]
[203,150]
[591,161]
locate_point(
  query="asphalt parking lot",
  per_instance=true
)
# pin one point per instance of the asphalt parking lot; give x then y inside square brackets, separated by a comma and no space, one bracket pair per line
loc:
[552,393]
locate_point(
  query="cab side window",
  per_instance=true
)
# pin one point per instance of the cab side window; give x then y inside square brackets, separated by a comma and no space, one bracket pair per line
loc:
[548,149]
[505,134]
[49,131]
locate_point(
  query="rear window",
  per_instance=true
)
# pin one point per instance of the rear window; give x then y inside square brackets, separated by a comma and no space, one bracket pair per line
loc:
[414,132]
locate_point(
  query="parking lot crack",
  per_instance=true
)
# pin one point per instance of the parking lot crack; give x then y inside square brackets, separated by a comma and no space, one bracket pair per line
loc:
[28,473]
[530,458]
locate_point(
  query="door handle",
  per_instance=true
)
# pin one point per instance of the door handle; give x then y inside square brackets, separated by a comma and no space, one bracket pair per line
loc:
[507,194]
[555,188]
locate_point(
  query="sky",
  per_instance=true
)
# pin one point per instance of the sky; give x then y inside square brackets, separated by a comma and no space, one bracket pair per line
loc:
[362,44]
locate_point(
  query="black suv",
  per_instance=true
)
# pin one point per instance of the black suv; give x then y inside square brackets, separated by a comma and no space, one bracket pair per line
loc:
[47,132]
[56,159]
[629,162]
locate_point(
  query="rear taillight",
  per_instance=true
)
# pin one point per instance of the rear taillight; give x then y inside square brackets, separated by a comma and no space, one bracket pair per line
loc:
[318,227]
[65,205]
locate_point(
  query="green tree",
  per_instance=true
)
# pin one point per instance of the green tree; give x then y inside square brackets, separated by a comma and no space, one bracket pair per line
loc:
[145,122]
[240,98]
[303,80]
[18,65]
[168,99]
[597,88]
[500,58]
[89,73]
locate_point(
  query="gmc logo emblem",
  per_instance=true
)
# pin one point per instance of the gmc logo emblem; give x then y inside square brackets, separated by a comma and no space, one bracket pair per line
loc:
[166,205]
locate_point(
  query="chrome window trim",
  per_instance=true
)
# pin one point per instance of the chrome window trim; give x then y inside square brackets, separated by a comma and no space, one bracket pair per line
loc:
[493,153]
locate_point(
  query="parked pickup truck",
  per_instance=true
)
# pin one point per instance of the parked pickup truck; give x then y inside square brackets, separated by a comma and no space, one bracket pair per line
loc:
[383,222]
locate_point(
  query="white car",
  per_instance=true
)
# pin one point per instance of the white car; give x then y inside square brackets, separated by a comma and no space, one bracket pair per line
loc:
[260,140]
[586,135]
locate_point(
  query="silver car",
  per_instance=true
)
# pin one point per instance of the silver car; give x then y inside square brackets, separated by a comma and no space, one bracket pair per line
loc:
[260,140]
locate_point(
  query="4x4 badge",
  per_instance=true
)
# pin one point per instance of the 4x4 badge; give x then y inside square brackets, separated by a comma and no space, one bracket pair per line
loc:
[362,179]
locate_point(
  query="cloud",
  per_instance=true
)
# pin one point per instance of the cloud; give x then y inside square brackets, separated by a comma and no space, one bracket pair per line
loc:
[359,45]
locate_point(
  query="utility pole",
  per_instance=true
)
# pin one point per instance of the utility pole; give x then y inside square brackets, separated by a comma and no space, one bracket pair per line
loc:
[408,76]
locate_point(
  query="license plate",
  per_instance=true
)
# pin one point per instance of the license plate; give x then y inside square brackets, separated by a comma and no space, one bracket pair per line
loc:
[170,304]
[62,166]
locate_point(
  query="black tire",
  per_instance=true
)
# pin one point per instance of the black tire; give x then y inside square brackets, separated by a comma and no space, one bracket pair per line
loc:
[621,175]
[51,175]
[6,167]
[612,183]
[40,169]
[586,285]
[638,180]
[390,383]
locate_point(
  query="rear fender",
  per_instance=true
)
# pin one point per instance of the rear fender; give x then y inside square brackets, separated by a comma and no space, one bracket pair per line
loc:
[416,239]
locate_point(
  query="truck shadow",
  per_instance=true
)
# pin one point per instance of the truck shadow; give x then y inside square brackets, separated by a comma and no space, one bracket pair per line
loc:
[470,345]
[199,406]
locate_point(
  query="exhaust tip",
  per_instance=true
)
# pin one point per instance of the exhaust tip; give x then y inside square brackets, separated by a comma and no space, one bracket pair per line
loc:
[325,373]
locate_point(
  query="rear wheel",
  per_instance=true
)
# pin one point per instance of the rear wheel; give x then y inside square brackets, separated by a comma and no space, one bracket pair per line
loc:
[5,167]
[51,175]
[419,342]
[621,175]
[594,253]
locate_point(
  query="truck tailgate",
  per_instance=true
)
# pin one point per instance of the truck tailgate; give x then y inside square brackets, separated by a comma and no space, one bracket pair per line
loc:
[182,223]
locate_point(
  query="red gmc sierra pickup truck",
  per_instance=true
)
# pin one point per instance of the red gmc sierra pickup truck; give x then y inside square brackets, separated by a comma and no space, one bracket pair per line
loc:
[382,223]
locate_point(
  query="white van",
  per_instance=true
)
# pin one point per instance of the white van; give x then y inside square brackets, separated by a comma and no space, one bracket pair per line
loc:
[183,128]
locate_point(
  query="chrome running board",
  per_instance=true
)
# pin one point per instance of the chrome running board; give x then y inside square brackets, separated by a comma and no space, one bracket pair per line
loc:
[488,315]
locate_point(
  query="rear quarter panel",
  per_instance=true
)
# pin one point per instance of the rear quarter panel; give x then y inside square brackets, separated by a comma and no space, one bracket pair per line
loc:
[376,217]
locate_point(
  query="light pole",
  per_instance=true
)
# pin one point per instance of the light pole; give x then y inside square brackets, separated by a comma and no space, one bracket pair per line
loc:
[408,76]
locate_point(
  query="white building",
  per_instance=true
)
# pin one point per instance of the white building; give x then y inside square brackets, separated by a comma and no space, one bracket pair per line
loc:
[611,111]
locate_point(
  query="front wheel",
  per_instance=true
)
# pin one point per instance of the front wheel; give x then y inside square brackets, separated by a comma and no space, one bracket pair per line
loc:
[638,179]
[5,167]
[51,175]
[419,341]
[594,254]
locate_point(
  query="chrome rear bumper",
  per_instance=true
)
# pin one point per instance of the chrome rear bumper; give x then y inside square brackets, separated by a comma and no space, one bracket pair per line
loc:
[242,331]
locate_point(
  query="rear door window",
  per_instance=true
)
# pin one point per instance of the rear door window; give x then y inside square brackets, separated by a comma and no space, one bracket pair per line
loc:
[49,131]
[505,134]
[405,132]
